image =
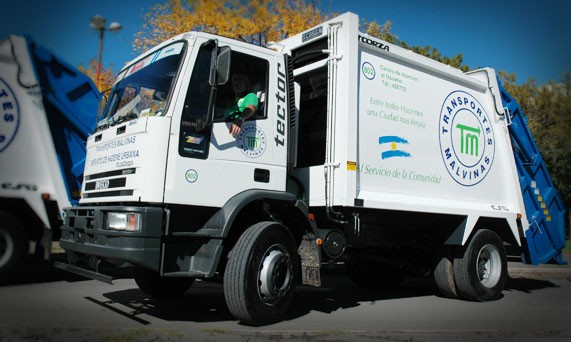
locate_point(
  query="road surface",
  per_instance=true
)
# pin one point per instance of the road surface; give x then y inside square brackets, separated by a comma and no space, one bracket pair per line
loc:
[45,304]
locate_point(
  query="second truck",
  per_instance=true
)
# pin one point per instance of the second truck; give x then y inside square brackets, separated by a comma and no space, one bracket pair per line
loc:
[360,152]
[47,110]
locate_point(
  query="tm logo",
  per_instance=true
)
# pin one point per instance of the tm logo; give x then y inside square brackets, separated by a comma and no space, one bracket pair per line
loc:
[252,142]
[467,142]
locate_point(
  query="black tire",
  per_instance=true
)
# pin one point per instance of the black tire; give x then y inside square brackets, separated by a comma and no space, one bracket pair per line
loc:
[261,274]
[481,273]
[370,274]
[156,286]
[13,243]
[444,272]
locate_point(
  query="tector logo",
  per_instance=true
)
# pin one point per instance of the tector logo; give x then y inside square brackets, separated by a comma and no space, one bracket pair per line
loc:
[9,115]
[467,142]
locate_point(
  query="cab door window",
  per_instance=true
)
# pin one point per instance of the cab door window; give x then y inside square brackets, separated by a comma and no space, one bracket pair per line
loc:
[194,135]
[247,87]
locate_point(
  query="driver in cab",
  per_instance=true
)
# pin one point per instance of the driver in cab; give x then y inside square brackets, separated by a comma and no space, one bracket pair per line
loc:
[245,102]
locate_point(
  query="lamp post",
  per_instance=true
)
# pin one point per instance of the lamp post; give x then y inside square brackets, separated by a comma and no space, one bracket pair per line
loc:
[98,23]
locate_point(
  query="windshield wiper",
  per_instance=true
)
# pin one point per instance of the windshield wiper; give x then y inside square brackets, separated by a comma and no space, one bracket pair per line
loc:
[100,128]
[124,118]
[127,111]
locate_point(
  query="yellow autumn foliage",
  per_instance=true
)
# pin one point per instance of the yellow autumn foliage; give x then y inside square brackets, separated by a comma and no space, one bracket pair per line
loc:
[253,21]
[106,75]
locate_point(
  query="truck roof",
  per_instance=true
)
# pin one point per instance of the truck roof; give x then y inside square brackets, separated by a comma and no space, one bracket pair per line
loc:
[190,36]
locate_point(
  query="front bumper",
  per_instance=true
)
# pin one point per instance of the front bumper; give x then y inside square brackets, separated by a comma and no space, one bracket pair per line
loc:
[83,233]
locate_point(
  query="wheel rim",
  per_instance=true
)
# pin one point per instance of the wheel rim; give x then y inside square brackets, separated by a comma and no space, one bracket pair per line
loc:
[489,266]
[6,247]
[275,275]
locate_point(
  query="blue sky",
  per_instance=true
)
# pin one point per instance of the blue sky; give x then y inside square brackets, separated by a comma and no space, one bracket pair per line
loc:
[531,38]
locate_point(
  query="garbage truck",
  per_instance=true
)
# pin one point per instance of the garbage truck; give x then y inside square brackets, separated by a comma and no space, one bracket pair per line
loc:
[47,110]
[358,153]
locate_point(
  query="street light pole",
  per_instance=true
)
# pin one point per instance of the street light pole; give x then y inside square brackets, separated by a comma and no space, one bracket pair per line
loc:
[99,57]
[98,23]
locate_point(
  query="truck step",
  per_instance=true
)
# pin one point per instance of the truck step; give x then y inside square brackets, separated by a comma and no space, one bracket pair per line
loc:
[83,272]
[189,274]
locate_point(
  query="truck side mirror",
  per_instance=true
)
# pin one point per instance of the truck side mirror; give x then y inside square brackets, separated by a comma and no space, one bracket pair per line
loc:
[101,105]
[223,60]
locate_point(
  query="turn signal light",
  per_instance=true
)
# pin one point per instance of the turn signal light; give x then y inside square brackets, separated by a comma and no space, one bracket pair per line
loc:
[123,221]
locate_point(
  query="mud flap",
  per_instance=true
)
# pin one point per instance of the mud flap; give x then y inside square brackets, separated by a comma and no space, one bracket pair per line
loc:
[310,261]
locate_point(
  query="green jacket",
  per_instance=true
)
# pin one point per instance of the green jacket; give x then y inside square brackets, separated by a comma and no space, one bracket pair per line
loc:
[236,109]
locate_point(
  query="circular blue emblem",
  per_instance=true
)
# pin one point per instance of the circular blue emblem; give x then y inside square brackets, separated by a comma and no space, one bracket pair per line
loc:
[9,115]
[252,141]
[466,135]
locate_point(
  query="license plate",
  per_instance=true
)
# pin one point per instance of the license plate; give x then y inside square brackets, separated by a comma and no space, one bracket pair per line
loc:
[102,184]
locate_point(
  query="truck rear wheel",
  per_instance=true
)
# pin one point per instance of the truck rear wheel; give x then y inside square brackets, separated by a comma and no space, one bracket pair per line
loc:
[481,273]
[13,243]
[444,272]
[261,274]
[156,286]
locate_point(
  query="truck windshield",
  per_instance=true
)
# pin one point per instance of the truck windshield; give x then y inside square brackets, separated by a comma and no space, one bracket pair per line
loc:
[144,88]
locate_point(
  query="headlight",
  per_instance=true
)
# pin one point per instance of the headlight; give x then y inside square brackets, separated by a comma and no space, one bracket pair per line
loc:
[123,221]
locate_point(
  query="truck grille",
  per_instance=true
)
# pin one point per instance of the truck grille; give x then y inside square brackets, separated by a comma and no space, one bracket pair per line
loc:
[102,185]
[108,184]
[108,194]
[113,173]
[80,218]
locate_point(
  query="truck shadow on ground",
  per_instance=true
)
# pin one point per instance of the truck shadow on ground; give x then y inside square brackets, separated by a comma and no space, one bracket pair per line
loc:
[526,285]
[204,302]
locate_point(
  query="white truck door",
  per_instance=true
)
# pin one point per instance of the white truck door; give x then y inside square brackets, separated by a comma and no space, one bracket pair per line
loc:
[207,166]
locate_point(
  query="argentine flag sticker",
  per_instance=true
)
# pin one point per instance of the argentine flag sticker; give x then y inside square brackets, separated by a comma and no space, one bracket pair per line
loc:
[393,146]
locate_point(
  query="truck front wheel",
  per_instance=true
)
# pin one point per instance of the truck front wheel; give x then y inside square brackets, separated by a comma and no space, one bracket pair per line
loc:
[261,274]
[13,243]
[481,273]
[156,286]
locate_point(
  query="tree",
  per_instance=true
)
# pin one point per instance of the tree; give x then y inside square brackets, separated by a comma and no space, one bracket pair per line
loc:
[106,76]
[384,32]
[253,21]
[372,28]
